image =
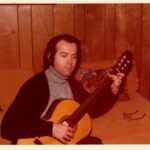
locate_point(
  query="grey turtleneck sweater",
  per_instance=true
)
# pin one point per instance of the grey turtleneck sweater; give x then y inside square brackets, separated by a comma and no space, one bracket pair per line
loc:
[58,86]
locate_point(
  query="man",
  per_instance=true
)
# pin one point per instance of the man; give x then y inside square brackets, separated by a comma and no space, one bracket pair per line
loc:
[25,117]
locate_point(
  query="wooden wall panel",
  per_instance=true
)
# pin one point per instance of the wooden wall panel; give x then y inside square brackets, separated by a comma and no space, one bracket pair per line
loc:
[110,31]
[134,34]
[105,31]
[145,51]
[64,19]
[79,26]
[9,52]
[42,31]
[94,31]
[122,42]
[128,27]
[25,36]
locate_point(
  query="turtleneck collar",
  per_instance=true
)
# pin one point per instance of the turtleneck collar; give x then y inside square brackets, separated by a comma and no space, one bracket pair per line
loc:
[54,75]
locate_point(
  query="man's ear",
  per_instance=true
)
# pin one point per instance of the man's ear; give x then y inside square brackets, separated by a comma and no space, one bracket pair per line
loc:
[49,56]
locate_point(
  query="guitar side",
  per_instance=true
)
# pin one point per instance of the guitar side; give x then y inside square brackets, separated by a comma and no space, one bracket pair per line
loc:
[64,108]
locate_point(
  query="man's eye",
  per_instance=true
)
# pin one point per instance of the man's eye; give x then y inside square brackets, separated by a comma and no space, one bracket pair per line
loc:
[75,57]
[64,56]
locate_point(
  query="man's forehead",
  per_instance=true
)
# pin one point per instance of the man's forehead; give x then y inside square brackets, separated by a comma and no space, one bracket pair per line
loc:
[66,52]
[62,43]
[66,47]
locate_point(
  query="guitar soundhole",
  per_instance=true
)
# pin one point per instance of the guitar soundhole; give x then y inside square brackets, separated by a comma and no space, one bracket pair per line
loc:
[64,118]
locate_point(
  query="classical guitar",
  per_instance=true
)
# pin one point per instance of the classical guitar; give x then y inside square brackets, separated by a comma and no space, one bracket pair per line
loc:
[76,115]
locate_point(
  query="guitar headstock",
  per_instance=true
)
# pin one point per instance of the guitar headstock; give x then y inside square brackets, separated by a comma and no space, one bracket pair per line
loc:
[124,63]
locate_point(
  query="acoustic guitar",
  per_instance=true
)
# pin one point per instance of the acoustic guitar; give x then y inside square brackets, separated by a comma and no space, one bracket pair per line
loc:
[77,114]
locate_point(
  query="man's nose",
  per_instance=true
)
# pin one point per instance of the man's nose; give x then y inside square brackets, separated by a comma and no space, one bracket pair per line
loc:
[70,60]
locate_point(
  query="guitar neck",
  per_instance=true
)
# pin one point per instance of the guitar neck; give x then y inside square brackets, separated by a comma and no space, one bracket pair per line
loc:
[88,104]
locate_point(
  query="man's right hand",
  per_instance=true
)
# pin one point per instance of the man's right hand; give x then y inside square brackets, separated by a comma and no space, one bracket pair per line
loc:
[63,132]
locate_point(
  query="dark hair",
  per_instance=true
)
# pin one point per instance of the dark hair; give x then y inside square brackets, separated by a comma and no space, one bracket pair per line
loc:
[51,49]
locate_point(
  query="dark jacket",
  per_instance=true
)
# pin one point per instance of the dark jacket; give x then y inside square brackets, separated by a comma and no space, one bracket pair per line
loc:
[22,120]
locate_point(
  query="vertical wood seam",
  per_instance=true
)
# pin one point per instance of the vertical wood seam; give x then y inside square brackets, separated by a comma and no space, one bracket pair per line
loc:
[53,19]
[31,14]
[85,39]
[114,50]
[104,51]
[141,44]
[19,50]
[74,19]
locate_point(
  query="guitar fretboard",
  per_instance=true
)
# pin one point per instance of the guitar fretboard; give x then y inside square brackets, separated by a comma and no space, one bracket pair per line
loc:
[88,104]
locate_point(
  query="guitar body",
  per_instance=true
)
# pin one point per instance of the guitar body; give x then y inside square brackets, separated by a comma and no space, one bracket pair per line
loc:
[63,109]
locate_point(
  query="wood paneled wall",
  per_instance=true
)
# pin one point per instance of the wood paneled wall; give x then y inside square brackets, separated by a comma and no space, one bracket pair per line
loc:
[105,31]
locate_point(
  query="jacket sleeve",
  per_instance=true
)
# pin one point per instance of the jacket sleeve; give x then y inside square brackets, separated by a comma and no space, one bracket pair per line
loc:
[22,119]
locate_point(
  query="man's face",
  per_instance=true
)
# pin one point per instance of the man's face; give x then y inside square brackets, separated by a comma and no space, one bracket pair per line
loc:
[65,58]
